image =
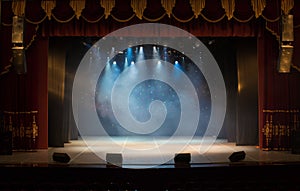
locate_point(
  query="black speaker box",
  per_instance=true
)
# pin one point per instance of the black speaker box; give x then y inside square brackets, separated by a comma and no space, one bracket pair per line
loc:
[61,157]
[182,160]
[6,143]
[237,156]
[296,141]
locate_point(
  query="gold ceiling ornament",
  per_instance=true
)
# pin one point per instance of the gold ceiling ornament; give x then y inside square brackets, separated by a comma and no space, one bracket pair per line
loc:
[228,6]
[48,6]
[168,6]
[286,6]
[77,6]
[108,5]
[258,6]
[138,7]
[197,6]
[18,7]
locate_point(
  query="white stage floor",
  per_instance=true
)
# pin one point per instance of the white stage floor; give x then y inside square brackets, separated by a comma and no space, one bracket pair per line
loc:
[144,152]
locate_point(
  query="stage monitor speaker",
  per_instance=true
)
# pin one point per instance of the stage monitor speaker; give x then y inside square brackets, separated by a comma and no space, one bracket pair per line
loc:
[285,58]
[114,160]
[295,141]
[182,159]
[19,60]
[6,143]
[287,28]
[61,157]
[237,156]
[17,29]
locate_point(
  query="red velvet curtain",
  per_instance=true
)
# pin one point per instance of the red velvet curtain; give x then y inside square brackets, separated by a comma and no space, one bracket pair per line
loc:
[276,91]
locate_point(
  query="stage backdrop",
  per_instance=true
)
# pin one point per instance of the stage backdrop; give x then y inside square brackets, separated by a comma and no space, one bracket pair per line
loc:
[218,18]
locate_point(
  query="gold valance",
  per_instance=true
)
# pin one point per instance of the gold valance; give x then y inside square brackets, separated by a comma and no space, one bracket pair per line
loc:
[197,6]
[77,6]
[139,6]
[108,5]
[229,6]
[168,6]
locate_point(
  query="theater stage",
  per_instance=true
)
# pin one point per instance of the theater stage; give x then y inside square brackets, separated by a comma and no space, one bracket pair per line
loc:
[141,152]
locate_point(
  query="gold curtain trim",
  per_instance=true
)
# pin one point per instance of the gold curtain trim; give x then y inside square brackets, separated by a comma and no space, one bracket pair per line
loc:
[212,21]
[108,5]
[77,6]
[18,7]
[36,22]
[295,67]
[273,33]
[63,21]
[271,20]
[298,26]
[228,6]
[183,21]
[286,6]
[138,7]
[168,6]
[243,21]
[154,20]
[33,37]
[122,20]
[48,6]
[6,24]
[197,6]
[280,111]
[258,6]
[90,21]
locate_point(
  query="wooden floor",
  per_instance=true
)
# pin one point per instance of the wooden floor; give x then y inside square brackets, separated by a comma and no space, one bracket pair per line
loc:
[138,152]
[211,169]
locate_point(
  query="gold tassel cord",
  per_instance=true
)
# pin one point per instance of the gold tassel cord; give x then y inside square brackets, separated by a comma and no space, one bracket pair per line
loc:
[228,6]
[156,19]
[197,6]
[243,21]
[77,6]
[168,6]
[258,6]
[92,21]
[108,5]
[63,21]
[138,7]
[122,20]
[287,6]
[213,21]
[48,6]
[36,22]
[183,21]
[33,38]
[271,20]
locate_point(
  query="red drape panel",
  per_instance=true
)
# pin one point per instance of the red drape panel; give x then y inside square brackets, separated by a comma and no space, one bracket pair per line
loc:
[26,92]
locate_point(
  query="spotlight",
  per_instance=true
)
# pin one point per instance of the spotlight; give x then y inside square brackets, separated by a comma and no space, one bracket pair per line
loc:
[285,58]
[19,60]
[287,28]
